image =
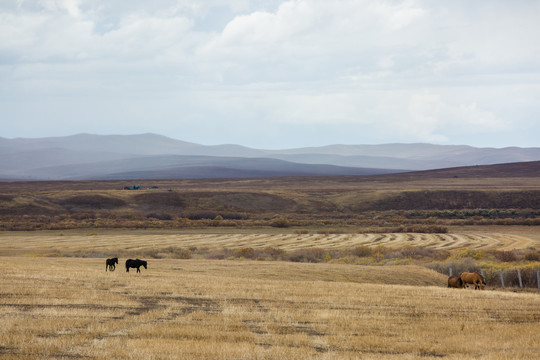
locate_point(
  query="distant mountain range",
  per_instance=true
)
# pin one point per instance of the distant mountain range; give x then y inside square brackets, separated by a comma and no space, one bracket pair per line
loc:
[151,156]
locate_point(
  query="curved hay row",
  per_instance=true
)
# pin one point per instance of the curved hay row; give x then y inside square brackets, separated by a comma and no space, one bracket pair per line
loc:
[81,245]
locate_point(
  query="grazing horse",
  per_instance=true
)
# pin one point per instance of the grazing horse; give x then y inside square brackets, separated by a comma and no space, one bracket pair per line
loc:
[473,278]
[110,264]
[455,282]
[130,263]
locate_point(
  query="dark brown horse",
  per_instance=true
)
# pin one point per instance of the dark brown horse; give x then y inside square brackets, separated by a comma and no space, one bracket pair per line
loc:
[130,263]
[455,282]
[110,264]
[473,278]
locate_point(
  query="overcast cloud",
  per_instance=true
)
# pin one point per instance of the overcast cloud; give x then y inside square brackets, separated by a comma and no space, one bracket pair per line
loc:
[273,74]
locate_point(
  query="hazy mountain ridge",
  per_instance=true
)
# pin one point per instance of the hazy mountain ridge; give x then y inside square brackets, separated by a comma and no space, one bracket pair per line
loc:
[86,156]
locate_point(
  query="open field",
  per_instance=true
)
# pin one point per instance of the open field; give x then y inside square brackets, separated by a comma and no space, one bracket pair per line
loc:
[137,243]
[61,308]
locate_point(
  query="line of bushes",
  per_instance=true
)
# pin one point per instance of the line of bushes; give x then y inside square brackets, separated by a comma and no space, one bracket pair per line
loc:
[390,222]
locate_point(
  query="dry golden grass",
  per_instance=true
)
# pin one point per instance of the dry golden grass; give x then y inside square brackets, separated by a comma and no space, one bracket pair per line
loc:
[105,243]
[62,308]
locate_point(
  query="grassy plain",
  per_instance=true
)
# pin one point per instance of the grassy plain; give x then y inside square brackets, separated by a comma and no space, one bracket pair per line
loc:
[62,308]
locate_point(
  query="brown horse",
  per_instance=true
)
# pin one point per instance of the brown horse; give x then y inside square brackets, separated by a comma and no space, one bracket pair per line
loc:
[473,278]
[455,282]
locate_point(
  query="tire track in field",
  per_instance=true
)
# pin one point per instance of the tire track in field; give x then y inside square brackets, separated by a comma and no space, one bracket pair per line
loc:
[172,308]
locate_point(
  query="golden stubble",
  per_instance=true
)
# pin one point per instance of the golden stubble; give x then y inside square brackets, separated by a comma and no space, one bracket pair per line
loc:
[135,243]
[203,309]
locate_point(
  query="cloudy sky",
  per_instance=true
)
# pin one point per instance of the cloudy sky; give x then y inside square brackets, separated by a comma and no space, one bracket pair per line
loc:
[273,74]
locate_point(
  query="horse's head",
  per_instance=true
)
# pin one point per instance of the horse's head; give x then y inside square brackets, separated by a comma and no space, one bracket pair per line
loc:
[115,261]
[144,263]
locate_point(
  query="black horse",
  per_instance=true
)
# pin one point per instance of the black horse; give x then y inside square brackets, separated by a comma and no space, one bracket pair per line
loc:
[130,263]
[110,264]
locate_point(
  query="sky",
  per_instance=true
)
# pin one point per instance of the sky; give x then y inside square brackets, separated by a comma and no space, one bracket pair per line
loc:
[273,74]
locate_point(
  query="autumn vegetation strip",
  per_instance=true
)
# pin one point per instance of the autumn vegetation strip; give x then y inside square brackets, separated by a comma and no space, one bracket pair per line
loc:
[25,219]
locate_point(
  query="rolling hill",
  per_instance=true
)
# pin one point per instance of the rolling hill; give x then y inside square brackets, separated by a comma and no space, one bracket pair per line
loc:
[146,156]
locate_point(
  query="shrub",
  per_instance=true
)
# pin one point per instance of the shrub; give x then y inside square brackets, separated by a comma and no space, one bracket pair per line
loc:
[469,253]
[201,215]
[505,256]
[532,256]
[362,251]
[247,253]
[219,254]
[425,229]
[379,253]
[178,252]
[273,252]
[159,216]
[280,222]
[312,255]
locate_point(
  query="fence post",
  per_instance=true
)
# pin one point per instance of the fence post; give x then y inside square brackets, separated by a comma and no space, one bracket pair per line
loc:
[519,278]
[538,279]
[502,279]
[450,272]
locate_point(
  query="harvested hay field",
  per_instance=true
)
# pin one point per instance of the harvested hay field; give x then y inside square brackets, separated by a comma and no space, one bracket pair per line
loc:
[92,244]
[59,308]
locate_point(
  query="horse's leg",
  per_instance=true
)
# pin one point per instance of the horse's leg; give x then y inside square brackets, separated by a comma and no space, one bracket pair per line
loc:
[138,270]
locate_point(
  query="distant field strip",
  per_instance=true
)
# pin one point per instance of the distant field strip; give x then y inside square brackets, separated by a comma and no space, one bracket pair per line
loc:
[71,244]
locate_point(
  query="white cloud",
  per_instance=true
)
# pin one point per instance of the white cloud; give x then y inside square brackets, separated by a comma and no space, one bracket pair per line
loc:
[360,65]
[72,7]
[434,119]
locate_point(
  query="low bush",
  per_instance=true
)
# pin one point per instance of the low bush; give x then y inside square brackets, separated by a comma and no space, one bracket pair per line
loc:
[505,256]
[362,251]
[311,255]
[247,253]
[532,256]
[280,222]
[469,253]
[159,216]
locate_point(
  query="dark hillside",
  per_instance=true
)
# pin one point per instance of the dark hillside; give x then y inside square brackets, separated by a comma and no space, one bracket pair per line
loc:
[519,169]
[454,199]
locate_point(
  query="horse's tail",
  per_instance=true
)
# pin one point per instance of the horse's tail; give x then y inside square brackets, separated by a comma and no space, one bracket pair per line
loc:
[460,282]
